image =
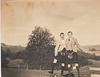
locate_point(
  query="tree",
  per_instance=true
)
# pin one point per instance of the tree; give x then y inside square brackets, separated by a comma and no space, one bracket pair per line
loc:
[4,61]
[93,49]
[20,54]
[40,48]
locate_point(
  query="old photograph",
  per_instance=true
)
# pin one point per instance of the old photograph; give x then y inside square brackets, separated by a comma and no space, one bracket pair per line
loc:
[50,38]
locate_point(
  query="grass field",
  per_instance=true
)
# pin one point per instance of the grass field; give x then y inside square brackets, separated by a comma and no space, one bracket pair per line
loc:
[85,71]
[8,72]
[23,73]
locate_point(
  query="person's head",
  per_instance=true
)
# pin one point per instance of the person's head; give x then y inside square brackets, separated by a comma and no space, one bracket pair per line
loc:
[69,34]
[62,35]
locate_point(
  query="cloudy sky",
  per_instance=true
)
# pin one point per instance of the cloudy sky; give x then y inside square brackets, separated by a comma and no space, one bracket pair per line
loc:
[18,18]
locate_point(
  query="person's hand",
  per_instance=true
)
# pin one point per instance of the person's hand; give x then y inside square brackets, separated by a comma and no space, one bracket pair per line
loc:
[55,61]
[85,50]
[56,53]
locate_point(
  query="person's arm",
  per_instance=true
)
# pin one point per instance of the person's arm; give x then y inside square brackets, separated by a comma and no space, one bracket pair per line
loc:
[80,47]
[57,48]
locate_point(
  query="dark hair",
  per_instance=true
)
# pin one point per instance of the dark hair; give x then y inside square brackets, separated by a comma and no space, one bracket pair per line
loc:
[62,33]
[70,32]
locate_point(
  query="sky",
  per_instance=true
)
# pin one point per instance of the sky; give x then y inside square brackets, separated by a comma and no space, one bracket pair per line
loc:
[19,17]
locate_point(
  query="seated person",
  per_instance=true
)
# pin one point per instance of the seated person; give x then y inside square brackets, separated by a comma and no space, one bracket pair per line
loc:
[59,53]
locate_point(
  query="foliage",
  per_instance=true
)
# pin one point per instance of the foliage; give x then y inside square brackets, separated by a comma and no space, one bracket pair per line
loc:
[39,52]
[40,48]
[92,49]
[4,61]
[83,58]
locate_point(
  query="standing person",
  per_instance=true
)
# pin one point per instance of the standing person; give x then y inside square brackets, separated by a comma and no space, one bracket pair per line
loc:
[60,47]
[71,44]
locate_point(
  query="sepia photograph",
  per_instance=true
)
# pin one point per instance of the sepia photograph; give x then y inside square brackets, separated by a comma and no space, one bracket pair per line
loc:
[50,38]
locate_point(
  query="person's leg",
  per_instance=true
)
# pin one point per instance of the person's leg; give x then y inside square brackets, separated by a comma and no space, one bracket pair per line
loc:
[68,66]
[63,61]
[78,71]
[53,66]
[62,68]
[76,63]
[75,60]
[69,70]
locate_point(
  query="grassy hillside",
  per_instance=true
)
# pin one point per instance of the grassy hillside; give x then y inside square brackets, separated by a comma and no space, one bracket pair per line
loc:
[97,47]
[13,49]
[18,48]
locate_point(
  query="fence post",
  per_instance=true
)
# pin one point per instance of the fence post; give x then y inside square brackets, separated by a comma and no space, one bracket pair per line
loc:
[18,66]
[27,66]
[40,67]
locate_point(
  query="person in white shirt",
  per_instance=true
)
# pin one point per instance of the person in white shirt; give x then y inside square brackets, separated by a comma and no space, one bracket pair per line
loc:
[71,45]
[60,50]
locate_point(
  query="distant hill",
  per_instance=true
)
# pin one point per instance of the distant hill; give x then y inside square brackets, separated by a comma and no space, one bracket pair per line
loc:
[18,48]
[89,47]
[13,49]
